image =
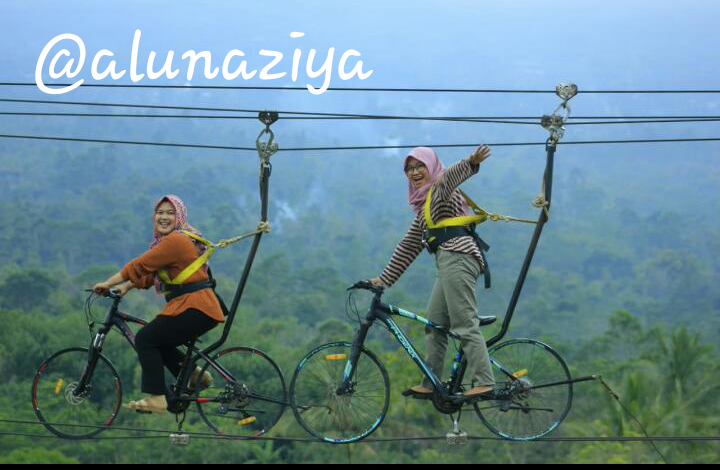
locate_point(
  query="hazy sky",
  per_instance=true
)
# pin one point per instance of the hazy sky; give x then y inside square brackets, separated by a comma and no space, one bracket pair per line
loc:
[608,44]
[454,43]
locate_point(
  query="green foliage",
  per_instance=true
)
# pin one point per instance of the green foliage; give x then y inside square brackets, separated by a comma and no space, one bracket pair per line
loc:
[621,288]
[39,456]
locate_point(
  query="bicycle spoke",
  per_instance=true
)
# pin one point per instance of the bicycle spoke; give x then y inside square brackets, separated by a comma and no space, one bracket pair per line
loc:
[253,404]
[346,417]
[530,410]
[58,399]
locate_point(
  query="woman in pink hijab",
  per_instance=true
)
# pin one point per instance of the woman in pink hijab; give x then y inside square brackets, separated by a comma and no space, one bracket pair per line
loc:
[459,260]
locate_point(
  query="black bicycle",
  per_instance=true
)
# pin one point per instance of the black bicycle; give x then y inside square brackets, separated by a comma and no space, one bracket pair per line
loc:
[340,391]
[77,392]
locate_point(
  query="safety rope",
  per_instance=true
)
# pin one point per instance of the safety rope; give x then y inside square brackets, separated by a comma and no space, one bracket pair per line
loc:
[263,227]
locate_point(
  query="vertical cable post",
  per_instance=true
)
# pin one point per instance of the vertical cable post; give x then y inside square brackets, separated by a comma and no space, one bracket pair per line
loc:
[555,124]
[266,149]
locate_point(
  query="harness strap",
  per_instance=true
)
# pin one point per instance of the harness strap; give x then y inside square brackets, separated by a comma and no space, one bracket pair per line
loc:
[480,216]
[194,266]
[176,290]
[177,287]
[454,227]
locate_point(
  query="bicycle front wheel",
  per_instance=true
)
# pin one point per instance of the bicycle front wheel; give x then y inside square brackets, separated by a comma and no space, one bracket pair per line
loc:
[346,417]
[247,395]
[63,407]
[535,395]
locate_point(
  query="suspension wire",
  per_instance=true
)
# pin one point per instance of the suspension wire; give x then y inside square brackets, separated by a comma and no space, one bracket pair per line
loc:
[318,115]
[452,119]
[364,89]
[212,436]
[187,116]
[363,147]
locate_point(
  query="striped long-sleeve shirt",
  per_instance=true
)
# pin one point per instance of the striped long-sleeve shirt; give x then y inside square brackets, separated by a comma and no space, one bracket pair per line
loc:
[447,201]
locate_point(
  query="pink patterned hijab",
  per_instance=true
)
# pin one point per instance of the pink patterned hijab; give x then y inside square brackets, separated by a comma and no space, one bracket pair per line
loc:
[428,157]
[181,220]
[417,196]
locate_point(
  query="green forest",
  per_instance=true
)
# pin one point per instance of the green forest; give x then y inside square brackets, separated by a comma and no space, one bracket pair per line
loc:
[624,285]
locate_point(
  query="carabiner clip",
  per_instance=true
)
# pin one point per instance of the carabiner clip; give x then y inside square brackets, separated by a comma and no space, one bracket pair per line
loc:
[267,149]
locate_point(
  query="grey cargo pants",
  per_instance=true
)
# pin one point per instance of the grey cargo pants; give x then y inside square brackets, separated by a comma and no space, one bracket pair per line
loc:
[453,304]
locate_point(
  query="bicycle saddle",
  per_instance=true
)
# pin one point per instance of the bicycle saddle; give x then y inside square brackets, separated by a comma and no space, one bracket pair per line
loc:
[484,321]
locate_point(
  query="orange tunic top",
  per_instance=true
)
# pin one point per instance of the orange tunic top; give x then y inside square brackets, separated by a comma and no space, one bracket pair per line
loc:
[174,253]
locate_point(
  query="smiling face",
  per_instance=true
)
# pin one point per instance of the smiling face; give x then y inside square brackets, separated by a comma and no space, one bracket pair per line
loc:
[417,172]
[165,218]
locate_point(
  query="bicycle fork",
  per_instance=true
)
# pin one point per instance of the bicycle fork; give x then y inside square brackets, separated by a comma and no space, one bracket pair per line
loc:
[94,352]
[347,385]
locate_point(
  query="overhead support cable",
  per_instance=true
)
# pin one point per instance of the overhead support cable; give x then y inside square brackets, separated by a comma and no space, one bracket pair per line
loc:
[362,147]
[319,115]
[451,119]
[351,89]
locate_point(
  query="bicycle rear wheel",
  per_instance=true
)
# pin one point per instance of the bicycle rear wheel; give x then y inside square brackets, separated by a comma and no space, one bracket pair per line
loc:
[62,407]
[339,418]
[534,396]
[247,398]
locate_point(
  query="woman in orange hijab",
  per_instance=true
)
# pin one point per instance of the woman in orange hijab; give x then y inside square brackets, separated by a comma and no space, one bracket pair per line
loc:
[185,317]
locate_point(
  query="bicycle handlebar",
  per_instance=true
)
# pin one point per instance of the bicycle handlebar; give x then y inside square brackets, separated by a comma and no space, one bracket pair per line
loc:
[367,285]
[110,293]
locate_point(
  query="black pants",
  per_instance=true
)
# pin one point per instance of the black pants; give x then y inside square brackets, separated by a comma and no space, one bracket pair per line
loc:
[156,345]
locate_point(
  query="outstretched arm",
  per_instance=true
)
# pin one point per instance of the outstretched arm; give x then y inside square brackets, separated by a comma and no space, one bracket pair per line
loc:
[459,172]
[481,154]
[405,253]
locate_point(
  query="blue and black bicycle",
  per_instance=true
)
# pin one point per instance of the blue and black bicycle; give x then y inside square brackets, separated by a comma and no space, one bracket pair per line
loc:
[340,391]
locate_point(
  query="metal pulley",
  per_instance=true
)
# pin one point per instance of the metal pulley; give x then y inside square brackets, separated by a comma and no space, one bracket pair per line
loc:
[555,123]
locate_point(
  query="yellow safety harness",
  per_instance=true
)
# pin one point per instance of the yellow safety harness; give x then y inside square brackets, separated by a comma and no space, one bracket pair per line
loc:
[194,266]
[177,287]
[446,229]
[481,215]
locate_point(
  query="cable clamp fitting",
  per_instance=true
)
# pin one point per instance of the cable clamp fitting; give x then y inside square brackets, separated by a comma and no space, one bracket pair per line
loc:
[457,436]
[179,439]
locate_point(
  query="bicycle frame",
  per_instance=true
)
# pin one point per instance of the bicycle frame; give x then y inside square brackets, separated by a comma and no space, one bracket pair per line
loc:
[383,312]
[119,319]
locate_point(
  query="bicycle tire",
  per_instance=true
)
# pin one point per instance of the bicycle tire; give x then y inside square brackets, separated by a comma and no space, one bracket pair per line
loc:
[529,411]
[249,406]
[54,400]
[349,418]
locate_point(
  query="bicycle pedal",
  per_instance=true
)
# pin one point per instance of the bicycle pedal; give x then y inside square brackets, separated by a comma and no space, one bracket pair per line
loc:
[422,396]
[417,396]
